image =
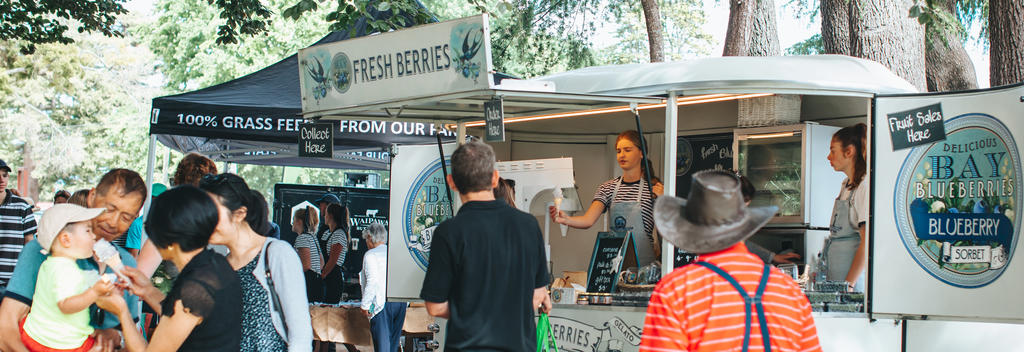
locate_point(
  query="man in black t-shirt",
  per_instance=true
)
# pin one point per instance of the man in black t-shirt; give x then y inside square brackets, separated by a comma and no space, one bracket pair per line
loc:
[487,270]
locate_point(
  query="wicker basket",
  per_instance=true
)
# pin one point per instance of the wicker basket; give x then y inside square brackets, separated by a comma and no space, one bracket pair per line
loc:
[774,110]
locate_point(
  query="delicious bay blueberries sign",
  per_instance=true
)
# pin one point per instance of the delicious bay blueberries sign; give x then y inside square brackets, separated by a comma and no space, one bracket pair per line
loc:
[426,206]
[956,201]
[426,60]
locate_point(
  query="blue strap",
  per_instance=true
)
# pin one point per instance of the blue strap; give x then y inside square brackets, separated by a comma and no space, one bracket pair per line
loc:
[747,302]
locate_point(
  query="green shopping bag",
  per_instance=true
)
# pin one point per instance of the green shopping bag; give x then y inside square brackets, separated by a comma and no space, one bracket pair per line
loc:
[545,339]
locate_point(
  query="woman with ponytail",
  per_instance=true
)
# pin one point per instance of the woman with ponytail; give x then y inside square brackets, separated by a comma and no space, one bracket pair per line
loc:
[275,311]
[337,248]
[844,255]
[628,198]
[309,252]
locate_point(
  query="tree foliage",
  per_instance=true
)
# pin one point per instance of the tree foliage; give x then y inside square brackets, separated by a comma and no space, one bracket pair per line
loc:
[684,34]
[76,110]
[40,22]
[185,38]
[809,46]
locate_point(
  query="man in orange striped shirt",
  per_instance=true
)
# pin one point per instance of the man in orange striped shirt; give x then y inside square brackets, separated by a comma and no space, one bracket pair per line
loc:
[729,300]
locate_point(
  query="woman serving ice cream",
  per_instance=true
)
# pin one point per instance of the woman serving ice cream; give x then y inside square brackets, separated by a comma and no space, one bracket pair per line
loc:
[628,199]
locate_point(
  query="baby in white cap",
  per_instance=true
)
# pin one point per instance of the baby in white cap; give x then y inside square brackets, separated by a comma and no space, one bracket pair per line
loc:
[59,318]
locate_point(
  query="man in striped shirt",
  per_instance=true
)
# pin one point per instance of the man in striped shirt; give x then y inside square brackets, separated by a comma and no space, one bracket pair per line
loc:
[729,300]
[17,226]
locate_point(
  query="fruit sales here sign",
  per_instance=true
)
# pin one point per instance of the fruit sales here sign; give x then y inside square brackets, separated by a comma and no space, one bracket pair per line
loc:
[946,223]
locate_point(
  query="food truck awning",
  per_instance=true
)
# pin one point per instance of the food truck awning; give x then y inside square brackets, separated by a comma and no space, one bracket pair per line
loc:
[812,75]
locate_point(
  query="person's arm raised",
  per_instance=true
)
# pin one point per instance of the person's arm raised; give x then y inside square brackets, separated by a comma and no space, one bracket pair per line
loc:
[584,221]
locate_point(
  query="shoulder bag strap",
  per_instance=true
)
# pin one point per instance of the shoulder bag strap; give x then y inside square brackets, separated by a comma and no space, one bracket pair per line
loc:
[276,301]
[747,302]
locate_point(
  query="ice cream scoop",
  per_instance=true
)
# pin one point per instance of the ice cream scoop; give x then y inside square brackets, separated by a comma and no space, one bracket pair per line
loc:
[107,254]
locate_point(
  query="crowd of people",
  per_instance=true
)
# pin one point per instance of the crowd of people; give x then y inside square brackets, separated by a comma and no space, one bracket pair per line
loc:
[255,298]
[236,287]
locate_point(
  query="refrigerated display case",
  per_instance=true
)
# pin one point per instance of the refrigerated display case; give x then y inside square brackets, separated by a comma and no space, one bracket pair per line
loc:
[782,162]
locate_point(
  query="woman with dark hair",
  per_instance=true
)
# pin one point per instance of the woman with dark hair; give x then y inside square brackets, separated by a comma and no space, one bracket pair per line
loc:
[203,310]
[275,312]
[844,255]
[628,199]
[337,247]
[80,197]
[309,252]
[506,191]
[190,169]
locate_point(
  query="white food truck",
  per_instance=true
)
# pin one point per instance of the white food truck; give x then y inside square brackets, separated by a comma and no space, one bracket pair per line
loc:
[943,170]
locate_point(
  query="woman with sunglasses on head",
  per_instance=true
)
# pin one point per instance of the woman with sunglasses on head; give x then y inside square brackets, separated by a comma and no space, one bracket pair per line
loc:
[275,312]
[203,310]
[628,199]
[337,248]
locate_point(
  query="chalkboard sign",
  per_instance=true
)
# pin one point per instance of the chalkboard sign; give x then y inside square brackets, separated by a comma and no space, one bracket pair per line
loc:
[682,258]
[607,261]
[701,152]
[494,120]
[919,126]
[316,140]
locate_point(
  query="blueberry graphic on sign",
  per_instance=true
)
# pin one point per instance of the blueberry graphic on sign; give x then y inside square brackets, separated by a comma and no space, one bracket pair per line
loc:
[341,72]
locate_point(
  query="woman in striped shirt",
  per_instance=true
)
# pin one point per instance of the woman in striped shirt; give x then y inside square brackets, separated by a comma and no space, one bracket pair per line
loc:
[628,199]
[337,247]
[309,252]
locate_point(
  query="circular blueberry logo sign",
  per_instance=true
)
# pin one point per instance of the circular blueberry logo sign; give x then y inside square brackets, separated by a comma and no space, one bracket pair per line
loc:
[425,207]
[956,202]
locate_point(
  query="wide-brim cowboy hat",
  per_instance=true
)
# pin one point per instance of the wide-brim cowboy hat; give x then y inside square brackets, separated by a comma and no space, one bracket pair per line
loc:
[712,218]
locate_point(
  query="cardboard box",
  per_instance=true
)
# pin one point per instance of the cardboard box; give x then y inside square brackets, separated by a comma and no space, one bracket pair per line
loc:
[564,295]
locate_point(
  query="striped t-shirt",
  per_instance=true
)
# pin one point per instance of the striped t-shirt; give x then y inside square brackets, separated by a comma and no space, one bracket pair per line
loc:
[307,240]
[16,222]
[627,193]
[338,237]
[695,309]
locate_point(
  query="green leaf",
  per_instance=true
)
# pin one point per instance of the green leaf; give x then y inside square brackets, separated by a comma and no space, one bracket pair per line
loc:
[383,6]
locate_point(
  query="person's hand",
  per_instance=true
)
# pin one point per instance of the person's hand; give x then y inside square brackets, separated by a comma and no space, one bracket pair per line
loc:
[113,303]
[366,313]
[138,282]
[658,189]
[785,258]
[557,216]
[107,340]
[102,287]
[545,305]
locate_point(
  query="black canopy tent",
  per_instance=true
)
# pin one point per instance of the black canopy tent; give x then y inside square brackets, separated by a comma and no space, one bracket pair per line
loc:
[254,120]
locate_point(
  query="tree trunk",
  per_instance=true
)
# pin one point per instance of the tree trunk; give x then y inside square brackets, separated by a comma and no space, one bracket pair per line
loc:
[880,30]
[737,36]
[835,26]
[1006,42]
[947,66]
[764,36]
[655,30]
[29,187]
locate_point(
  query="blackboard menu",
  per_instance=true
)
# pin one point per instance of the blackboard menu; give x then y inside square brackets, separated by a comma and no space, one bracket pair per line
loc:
[682,258]
[606,262]
[919,126]
[701,152]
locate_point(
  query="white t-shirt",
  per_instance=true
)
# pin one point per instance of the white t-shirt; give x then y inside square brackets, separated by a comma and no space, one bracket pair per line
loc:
[859,208]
